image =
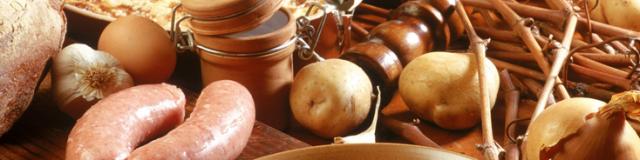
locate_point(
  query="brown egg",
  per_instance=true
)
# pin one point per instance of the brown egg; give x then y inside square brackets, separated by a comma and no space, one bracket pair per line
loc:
[143,48]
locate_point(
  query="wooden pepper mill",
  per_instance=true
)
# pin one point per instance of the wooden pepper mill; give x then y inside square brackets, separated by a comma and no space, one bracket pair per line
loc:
[415,27]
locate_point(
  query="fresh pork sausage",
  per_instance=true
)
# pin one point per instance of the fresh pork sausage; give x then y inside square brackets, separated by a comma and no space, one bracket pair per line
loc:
[218,128]
[116,125]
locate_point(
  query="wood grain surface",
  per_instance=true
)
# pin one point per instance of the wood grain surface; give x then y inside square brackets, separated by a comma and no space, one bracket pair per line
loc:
[460,141]
[41,133]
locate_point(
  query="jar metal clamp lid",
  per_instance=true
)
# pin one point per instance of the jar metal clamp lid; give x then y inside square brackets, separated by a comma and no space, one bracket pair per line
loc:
[305,37]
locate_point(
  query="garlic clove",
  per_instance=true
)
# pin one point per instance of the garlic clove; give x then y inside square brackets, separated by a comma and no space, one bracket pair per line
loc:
[76,106]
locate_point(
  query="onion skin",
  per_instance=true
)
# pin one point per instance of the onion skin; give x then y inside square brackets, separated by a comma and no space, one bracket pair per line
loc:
[574,129]
[556,122]
[617,140]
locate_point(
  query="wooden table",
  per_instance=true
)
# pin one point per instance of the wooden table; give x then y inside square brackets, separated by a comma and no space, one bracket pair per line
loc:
[42,131]
[460,141]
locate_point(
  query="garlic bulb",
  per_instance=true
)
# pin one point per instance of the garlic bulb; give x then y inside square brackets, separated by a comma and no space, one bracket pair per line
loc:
[584,128]
[81,76]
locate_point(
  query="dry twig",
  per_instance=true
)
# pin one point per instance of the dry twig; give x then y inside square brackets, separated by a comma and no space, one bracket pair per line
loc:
[608,59]
[536,88]
[554,16]
[490,148]
[374,9]
[506,46]
[596,39]
[408,131]
[518,69]
[561,55]
[519,25]
[511,99]
[601,76]
[575,43]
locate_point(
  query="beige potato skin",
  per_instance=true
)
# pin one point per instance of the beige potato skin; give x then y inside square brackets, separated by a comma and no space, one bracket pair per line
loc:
[331,98]
[621,13]
[444,88]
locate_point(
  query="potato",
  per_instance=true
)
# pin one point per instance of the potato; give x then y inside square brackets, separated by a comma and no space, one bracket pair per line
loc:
[331,97]
[443,88]
[621,13]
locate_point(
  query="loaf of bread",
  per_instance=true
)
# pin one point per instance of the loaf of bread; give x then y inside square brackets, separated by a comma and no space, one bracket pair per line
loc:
[31,32]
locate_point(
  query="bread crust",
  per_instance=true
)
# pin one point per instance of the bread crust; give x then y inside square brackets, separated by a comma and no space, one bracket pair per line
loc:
[31,32]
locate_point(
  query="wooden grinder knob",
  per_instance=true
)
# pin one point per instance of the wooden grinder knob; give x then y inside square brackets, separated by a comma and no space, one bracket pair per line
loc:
[416,27]
[408,38]
[379,62]
[429,15]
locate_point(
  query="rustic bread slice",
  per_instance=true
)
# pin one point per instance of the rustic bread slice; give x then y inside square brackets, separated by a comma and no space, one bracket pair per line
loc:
[31,31]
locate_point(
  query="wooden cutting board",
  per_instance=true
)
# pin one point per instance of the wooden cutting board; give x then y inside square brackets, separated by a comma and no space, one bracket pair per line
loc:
[42,131]
[459,141]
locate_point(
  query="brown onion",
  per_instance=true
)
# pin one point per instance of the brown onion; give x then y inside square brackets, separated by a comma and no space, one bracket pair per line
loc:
[585,128]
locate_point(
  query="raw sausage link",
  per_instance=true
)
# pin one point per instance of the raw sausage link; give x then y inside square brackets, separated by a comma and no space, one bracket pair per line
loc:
[116,125]
[218,128]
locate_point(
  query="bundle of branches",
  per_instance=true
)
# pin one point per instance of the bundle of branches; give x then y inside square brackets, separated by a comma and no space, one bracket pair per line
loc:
[551,50]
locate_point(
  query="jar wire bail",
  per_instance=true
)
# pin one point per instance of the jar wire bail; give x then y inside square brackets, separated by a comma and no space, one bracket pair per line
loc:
[185,41]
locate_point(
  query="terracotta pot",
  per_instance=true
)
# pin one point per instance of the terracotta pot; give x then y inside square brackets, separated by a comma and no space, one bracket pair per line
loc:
[408,38]
[367,151]
[273,32]
[216,19]
[268,78]
[220,8]
[260,59]
[379,62]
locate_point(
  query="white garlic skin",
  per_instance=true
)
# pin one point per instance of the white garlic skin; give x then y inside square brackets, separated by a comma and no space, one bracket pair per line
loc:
[81,76]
